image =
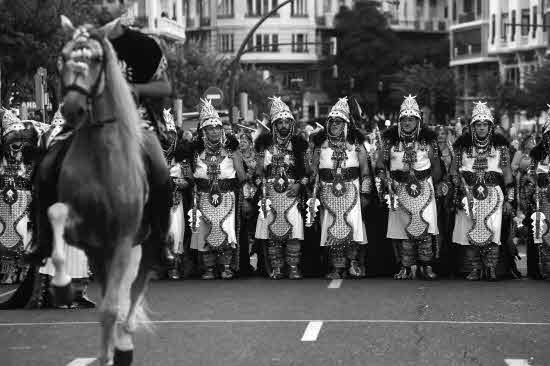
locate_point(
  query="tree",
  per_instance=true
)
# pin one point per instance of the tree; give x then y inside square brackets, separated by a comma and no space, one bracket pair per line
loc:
[366,52]
[537,90]
[193,68]
[31,36]
[434,88]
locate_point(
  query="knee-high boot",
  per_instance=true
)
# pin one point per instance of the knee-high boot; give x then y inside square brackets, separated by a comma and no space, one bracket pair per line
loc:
[225,260]
[473,257]
[353,256]
[81,298]
[489,256]
[209,261]
[276,260]
[425,257]
[338,263]
[293,248]
[544,260]
[408,254]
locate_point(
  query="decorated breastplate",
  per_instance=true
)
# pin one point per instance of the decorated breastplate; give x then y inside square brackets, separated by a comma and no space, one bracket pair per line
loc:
[280,169]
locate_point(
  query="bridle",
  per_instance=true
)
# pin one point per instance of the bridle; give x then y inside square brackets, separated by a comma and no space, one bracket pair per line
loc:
[90,94]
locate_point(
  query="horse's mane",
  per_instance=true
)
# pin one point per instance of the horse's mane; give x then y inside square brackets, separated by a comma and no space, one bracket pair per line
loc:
[103,175]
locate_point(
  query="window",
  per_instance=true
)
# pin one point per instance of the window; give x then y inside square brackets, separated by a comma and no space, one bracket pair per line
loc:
[525,22]
[503,26]
[454,10]
[327,6]
[299,43]
[479,7]
[258,47]
[535,21]
[299,8]
[266,43]
[543,16]
[274,4]
[249,7]
[225,8]
[468,6]
[275,43]
[493,28]
[513,37]
[258,10]
[265,9]
[226,43]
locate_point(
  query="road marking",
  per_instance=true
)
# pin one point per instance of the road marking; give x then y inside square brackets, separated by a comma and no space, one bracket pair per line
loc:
[516,362]
[312,331]
[335,283]
[20,348]
[360,321]
[81,362]
[8,293]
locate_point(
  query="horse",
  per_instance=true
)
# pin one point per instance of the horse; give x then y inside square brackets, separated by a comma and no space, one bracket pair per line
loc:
[111,188]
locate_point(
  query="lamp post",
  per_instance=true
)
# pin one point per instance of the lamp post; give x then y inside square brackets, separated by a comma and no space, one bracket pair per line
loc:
[235,63]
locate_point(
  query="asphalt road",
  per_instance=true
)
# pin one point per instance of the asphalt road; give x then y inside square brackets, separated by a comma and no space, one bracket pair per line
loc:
[374,322]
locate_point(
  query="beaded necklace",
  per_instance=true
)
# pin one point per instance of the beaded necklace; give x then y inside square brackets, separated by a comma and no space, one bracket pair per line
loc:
[213,156]
[339,156]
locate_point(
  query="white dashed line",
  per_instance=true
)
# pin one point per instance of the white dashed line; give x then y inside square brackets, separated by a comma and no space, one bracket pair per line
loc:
[335,284]
[20,348]
[312,331]
[81,362]
[516,362]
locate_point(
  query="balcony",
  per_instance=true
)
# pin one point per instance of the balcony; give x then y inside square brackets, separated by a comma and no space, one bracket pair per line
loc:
[171,28]
[467,50]
[428,26]
[467,18]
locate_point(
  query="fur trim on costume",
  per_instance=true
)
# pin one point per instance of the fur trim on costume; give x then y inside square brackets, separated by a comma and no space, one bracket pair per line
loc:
[392,135]
[354,137]
[231,144]
[465,141]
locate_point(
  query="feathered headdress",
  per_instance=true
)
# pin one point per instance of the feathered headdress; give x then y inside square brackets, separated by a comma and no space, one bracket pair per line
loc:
[58,119]
[278,109]
[340,110]
[208,116]
[409,108]
[10,123]
[481,112]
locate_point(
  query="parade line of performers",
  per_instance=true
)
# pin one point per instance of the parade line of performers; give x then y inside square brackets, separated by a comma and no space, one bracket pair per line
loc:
[338,205]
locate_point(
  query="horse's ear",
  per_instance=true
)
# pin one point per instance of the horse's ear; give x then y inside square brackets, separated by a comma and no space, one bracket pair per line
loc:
[111,30]
[66,24]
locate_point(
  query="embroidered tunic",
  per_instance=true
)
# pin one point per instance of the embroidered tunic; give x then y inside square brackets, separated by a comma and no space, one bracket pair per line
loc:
[341,217]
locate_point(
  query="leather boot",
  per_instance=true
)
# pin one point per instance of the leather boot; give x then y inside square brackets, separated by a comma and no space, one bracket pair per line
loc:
[427,272]
[209,260]
[475,275]
[293,259]
[81,299]
[225,258]
[491,274]
[338,262]
[275,253]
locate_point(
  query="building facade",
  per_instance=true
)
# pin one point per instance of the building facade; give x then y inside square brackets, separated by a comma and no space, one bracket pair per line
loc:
[470,60]
[160,17]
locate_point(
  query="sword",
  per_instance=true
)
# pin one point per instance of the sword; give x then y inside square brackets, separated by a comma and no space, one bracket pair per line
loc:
[391,195]
[312,204]
[264,203]
[469,202]
[194,213]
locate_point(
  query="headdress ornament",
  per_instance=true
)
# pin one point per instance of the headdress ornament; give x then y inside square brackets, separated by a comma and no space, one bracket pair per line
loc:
[409,108]
[279,110]
[546,127]
[58,119]
[208,116]
[10,123]
[169,120]
[481,112]
[340,110]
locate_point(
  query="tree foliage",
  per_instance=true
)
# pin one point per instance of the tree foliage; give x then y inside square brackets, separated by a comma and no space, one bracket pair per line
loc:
[434,88]
[537,90]
[193,68]
[31,36]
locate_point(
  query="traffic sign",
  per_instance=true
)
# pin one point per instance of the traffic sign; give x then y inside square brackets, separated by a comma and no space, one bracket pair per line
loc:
[215,95]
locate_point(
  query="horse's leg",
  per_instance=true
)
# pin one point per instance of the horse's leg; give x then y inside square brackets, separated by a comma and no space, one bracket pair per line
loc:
[61,281]
[109,310]
[132,289]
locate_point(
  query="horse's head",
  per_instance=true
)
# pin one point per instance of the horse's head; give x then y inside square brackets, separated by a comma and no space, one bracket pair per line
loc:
[82,69]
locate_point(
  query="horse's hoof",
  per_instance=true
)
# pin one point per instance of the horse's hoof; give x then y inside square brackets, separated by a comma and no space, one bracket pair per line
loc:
[62,295]
[123,358]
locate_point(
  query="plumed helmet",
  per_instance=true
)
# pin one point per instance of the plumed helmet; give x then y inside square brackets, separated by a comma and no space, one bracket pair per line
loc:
[208,116]
[278,110]
[481,112]
[340,110]
[409,108]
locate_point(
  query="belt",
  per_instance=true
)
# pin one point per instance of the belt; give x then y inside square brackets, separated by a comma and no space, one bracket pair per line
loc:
[224,185]
[403,176]
[489,178]
[290,172]
[348,174]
